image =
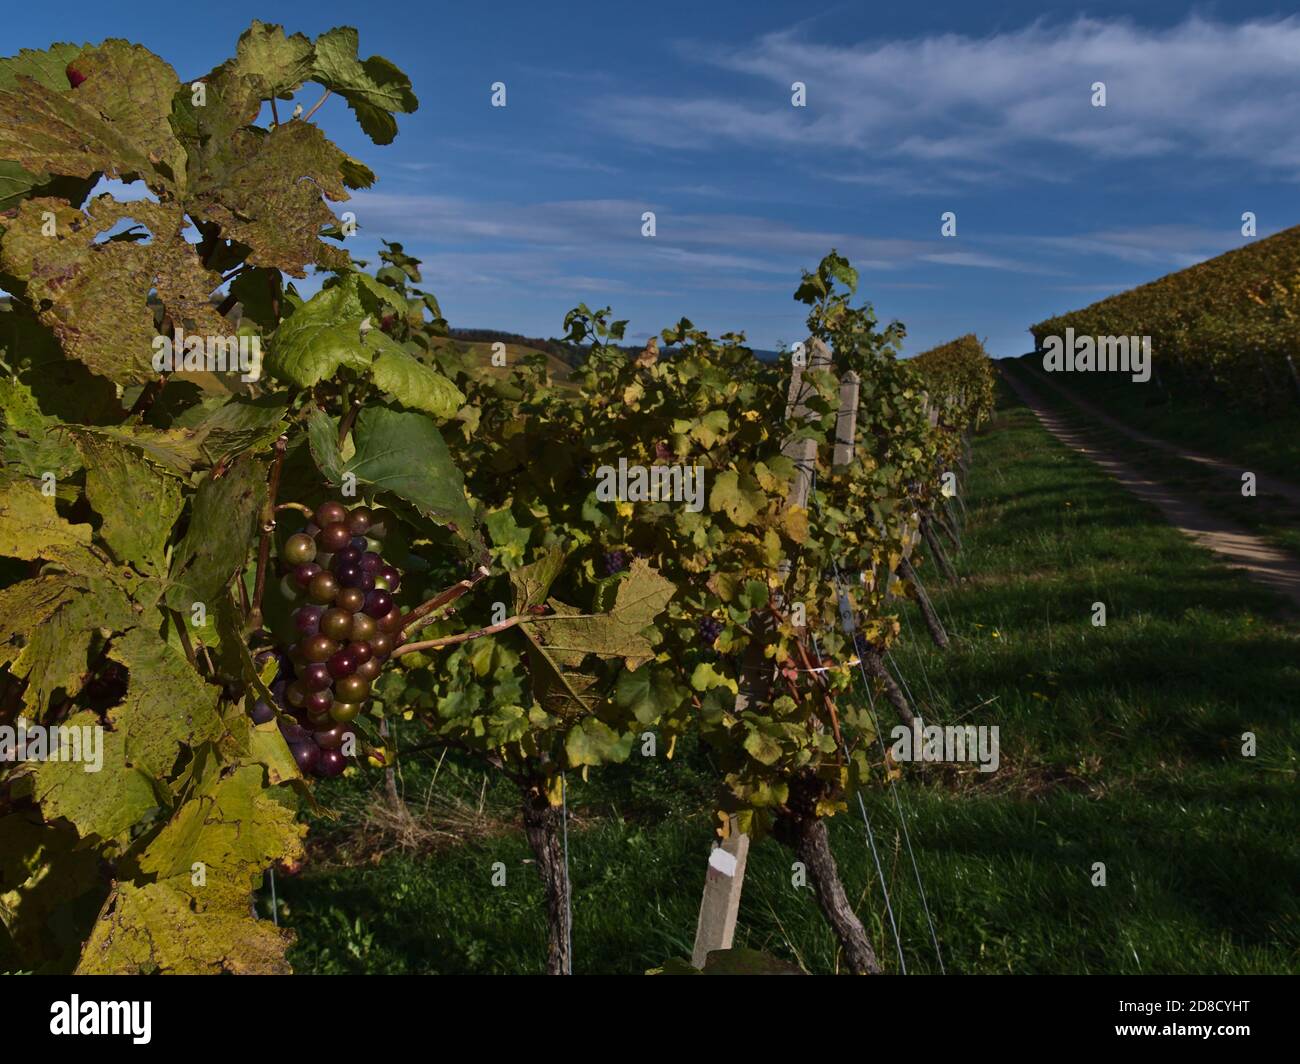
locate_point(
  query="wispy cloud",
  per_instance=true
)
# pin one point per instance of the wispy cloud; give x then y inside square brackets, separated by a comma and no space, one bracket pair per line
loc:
[542,237]
[1200,89]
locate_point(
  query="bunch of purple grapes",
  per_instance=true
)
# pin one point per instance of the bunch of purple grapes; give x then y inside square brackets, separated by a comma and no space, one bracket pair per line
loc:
[615,561]
[710,628]
[346,631]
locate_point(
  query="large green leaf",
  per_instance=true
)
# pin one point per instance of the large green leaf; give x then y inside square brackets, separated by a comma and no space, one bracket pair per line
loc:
[323,336]
[167,704]
[374,88]
[156,928]
[413,384]
[404,453]
[650,693]
[223,522]
[641,596]
[593,742]
[104,803]
[139,503]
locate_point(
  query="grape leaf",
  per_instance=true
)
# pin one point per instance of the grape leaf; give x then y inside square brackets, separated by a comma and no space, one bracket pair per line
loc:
[167,704]
[322,337]
[531,582]
[156,928]
[282,62]
[95,296]
[30,527]
[265,190]
[222,525]
[413,384]
[57,654]
[104,803]
[30,441]
[649,694]
[47,67]
[138,503]
[738,496]
[593,742]
[404,453]
[323,438]
[233,826]
[642,595]
[374,88]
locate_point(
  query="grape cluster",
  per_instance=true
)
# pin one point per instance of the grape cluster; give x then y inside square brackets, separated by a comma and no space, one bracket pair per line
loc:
[710,629]
[616,561]
[346,630]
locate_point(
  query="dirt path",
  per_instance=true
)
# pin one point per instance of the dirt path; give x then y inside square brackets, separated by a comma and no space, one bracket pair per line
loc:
[1264,482]
[1240,549]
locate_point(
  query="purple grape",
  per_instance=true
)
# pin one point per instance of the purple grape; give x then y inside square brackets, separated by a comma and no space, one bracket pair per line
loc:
[394,578]
[615,561]
[319,702]
[306,753]
[359,542]
[372,563]
[293,733]
[710,629]
[330,763]
[347,556]
[316,676]
[262,712]
[348,575]
[366,582]
[302,574]
[307,619]
[378,603]
[342,663]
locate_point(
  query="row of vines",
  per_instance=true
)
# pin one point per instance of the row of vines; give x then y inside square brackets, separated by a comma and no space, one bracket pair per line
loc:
[1226,329]
[228,578]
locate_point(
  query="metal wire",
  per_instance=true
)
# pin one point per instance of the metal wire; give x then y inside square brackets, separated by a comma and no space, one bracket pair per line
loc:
[568,888]
[841,596]
[871,843]
[893,789]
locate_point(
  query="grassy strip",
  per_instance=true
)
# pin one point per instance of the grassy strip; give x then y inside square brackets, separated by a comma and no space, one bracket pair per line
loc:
[1118,744]
[1271,517]
[1264,442]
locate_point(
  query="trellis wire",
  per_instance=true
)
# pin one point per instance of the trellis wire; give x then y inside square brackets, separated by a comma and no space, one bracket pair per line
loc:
[568,887]
[893,786]
[871,843]
[842,597]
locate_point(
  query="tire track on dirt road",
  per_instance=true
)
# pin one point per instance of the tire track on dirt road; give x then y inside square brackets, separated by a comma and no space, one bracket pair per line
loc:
[1240,549]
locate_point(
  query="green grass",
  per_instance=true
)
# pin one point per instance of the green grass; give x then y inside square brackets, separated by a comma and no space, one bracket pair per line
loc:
[1119,745]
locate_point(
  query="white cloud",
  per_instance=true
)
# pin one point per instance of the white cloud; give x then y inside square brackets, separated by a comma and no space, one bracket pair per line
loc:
[1200,89]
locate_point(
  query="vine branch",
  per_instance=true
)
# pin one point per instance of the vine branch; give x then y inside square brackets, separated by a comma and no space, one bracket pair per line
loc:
[316,106]
[463,637]
[444,598]
[268,526]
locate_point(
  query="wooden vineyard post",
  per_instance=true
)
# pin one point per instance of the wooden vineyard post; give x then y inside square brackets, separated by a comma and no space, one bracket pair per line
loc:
[721,904]
[846,423]
[725,878]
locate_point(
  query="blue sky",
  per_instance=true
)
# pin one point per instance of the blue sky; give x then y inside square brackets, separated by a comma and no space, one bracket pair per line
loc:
[684,109]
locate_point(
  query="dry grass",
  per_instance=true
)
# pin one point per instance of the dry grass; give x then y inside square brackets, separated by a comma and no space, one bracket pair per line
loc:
[372,824]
